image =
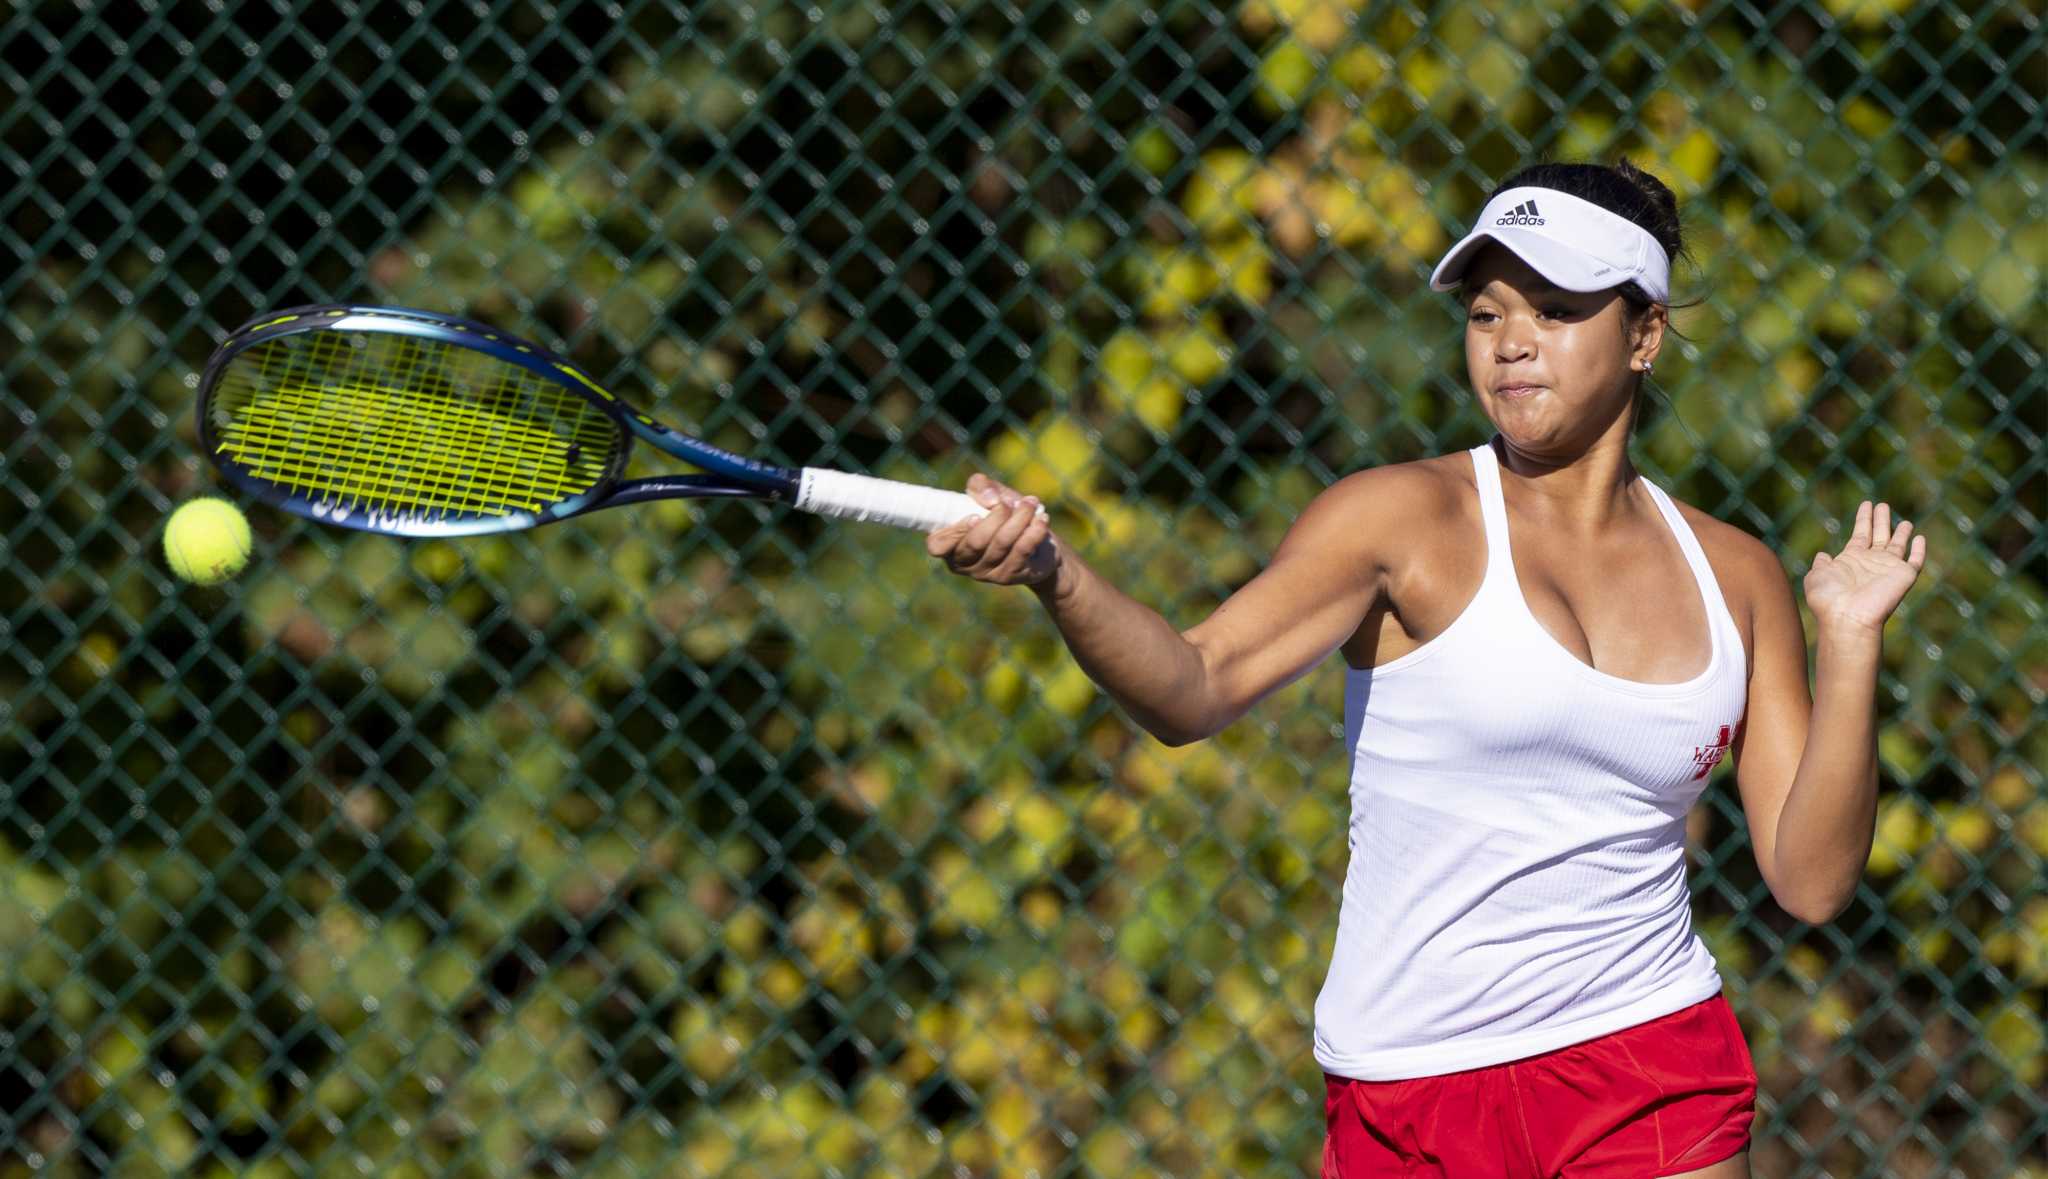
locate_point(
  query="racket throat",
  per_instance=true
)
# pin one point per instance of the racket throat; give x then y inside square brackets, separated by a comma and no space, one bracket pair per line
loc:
[634,491]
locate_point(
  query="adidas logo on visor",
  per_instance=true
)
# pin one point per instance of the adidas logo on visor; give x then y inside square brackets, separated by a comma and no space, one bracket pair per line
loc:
[1522,214]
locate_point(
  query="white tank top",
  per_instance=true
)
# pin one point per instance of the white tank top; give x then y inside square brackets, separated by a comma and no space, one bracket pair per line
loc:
[1517,877]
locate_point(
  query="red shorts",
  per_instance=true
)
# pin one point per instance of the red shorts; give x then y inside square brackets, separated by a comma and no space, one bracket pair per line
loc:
[1661,1098]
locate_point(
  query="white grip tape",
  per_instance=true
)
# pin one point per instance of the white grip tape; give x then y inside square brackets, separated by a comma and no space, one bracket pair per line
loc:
[881,501]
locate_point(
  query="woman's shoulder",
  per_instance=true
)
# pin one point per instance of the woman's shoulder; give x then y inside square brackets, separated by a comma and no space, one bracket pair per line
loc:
[1744,565]
[1436,484]
[1378,515]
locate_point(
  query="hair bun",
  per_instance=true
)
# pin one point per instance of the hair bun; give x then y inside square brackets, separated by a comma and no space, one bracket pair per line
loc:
[1660,197]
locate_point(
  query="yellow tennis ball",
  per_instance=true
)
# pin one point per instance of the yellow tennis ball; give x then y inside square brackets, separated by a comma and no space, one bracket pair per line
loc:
[207,541]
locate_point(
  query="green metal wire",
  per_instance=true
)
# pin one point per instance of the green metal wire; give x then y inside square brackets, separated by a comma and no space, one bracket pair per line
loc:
[716,842]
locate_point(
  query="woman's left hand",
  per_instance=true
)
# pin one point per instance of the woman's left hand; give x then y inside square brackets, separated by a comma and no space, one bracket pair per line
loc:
[1860,587]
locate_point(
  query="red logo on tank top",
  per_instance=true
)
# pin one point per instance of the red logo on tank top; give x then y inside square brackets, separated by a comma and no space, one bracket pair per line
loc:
[1706,757]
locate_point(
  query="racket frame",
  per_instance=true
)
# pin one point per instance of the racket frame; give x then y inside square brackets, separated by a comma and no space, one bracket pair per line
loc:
[728,474]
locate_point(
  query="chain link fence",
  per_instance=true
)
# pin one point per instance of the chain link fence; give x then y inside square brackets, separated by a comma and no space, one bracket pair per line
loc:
[711,841]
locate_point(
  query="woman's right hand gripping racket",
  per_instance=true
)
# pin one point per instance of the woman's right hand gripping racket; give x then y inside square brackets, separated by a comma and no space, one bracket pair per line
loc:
[1012,545]
[412,423]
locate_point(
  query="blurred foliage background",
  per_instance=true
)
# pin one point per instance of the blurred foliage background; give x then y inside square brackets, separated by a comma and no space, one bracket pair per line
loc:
[722,842]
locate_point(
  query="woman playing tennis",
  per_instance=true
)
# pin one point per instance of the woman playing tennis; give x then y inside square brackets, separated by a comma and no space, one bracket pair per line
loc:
[1545,658]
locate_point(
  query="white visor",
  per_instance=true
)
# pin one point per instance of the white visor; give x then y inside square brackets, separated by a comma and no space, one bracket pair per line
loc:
[1574,243]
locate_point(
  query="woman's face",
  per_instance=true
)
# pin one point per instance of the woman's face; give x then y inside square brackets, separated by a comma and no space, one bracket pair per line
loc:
[1554,369]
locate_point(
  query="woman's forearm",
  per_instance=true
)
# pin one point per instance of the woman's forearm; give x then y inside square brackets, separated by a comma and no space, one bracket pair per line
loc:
[1130,651]
[1824,832]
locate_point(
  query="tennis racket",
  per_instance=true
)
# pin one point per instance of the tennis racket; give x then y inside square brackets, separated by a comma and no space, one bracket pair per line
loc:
[413,423]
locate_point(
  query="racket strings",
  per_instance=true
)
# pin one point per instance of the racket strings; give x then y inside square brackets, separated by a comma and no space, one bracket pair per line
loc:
[390,423]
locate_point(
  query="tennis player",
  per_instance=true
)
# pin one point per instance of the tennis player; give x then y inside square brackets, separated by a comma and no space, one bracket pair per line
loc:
[1545,657]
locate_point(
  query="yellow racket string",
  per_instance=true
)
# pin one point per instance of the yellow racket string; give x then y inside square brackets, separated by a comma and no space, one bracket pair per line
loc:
[391,423]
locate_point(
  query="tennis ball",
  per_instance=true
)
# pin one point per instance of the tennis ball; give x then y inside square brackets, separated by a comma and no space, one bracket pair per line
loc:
[207,541]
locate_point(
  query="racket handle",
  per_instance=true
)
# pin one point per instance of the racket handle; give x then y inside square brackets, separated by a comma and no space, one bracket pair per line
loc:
[881,501]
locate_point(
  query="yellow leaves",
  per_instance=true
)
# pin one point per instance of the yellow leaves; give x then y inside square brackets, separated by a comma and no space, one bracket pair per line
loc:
[866,786]
[1961,835]
[1805,964]
[437,560]
[1684,154]
[1901,833]
[1495,72]
[1047,458]
[837,939]
[1143,940]
[1112,522]
[1133,382]
[1347,199]
[1326,190]
[745,932]
[1141,1029]
[1427,74]
[1320,24]
[1867,14]
[1010,1113]
[1286,75]
[1149,378]
[1245,268]
[1153,150]
[986,1040]
[1924,948]
[1692,161]
[1796,374]
[793,1129]
[1867,118]
[120,1052]
[1307,827]
[1149,767]
[1361,68]
[1242,996]
[1284,203]
[1412,227]
[1831,1015]
[1285,949]
[94,660]
[1042,824]
[1126,364]
[1199,352]
[1732,952]
[1155,770]
[2009,790]
[1110,1150]
[1968,828]
[1588,134]
[1040,910]
[966,898]
[550,209]
[2011,279]
[1119,987]
[1220,193]
[1003,684]
[2032,828]
[1176,280]
[2013,1031]
[1111,818]
[2021,946]
[708,1046]
[782,984]
[989,1037]
[1341,211]
[1069,691]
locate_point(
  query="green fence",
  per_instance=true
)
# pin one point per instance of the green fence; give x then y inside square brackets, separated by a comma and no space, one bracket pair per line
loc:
[718,842]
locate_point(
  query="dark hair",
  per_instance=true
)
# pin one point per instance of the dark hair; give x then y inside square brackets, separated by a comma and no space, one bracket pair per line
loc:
[1626,190]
